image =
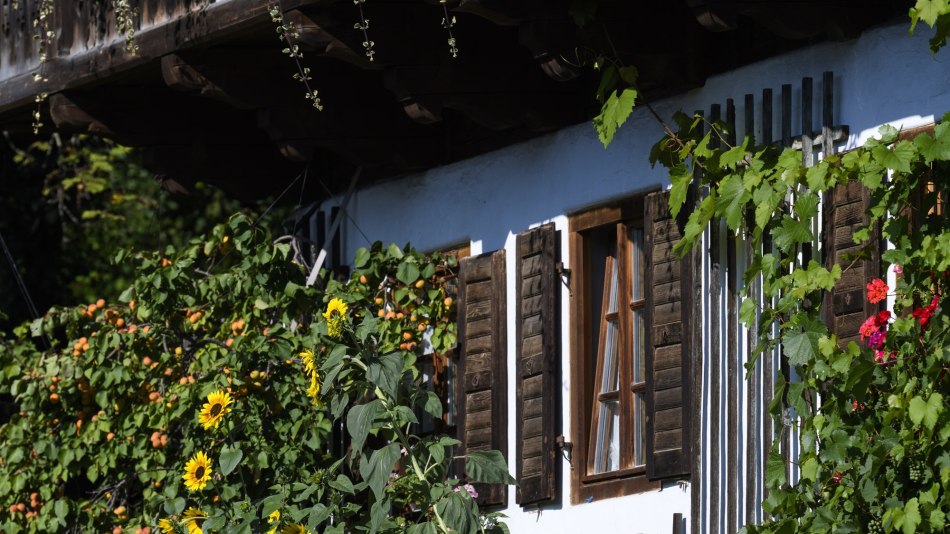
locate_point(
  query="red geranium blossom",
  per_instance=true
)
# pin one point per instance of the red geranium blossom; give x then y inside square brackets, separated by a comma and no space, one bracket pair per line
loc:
[877,291]
[874,323]
[924,314]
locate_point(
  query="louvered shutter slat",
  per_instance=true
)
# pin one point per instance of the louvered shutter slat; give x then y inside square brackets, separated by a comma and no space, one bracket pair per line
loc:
[846,306]
[482,406]
[538,366]
[668,281]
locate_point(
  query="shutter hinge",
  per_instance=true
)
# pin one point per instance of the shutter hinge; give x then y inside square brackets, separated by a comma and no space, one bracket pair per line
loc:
[564,274]
[566,448]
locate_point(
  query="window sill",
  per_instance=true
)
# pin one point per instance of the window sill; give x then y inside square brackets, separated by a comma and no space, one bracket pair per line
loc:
[610,485]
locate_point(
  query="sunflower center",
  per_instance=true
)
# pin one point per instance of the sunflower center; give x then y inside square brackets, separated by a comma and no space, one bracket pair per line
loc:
[216,409]
[335,313]
[200,472]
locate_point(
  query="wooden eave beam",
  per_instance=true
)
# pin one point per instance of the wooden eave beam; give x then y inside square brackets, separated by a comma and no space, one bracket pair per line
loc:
[214,23]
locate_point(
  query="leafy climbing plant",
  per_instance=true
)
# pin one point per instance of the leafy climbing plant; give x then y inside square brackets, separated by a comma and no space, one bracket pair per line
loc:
[871,415]
[205,398]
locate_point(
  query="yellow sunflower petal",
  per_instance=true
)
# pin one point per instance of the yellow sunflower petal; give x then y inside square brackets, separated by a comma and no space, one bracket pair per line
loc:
[197,472]
[214,410]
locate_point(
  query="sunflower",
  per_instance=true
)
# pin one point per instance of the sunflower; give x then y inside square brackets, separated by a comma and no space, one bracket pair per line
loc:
[310,369]
[309,363]
[335,316]
[197,472]
[213,411]
[274,517]
[294,528]
[166,526]
[193,518]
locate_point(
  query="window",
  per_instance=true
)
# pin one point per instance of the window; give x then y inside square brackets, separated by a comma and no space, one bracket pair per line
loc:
[629,365]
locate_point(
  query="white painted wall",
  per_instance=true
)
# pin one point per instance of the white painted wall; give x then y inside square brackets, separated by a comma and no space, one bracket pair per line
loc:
[883,77]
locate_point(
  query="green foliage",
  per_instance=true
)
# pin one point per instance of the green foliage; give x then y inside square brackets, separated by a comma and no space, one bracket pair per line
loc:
[936,13]
[109,416]
[873,421]
[66,206]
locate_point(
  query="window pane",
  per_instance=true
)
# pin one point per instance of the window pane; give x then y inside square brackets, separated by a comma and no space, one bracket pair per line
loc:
[611,378]
[639,429]
[612,306]
[607,446]
[637,265]
[638,346]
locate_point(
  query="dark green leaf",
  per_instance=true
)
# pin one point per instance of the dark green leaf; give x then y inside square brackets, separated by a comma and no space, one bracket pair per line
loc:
[375,470]
[386,373]
[358,422]
[231,456]
[488,467]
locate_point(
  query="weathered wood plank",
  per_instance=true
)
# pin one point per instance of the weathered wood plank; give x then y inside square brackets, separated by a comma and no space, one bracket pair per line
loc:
[732,389]
[715,379]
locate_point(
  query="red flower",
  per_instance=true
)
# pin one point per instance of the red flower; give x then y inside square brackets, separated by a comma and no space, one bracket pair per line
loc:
[924,314]
[882,317]
[857,407]
[837,477]
[884,358]
[874,323]
[877,291]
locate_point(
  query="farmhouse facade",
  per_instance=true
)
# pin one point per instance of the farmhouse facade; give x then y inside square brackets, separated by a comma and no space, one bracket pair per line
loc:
[612,374]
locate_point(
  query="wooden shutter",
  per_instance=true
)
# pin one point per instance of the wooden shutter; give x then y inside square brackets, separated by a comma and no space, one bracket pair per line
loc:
[669,296]
[482,405]
[538,364]
[846,306]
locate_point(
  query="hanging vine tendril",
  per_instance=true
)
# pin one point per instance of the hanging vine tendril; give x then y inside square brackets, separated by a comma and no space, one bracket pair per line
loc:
[125,16]
[448,23]
[43,35]
[287,33]
[363,26]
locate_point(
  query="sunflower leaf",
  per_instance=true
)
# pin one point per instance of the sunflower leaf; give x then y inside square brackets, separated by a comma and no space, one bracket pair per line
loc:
[231,456]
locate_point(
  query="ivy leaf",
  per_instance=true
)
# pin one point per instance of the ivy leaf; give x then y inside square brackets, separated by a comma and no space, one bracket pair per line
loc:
[897,158]
[911,518]
[613,114]
[231,456]
[934,149]
[732,199]
[775,469]
[790,232]
[680,178]
[927,11]
[375,470]
[926,412]
[386,372]
[801,347]
[487,467]
[734,155]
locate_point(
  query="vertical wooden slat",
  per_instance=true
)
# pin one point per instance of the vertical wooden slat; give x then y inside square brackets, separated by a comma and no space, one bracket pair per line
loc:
[697,525]
[753,476]
[767,117]
[807,95]
[731,121]
[786,115]
[768,374]
[538,365]
[827,112]
[715,381]
[732,393]
[668,448]
[749,112]
[482,370]
[715,113]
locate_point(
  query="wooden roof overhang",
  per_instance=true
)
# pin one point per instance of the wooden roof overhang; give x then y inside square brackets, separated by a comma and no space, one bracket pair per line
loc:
[210,96]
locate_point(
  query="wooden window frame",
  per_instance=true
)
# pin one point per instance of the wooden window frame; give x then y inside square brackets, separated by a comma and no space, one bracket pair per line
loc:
[584,486]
